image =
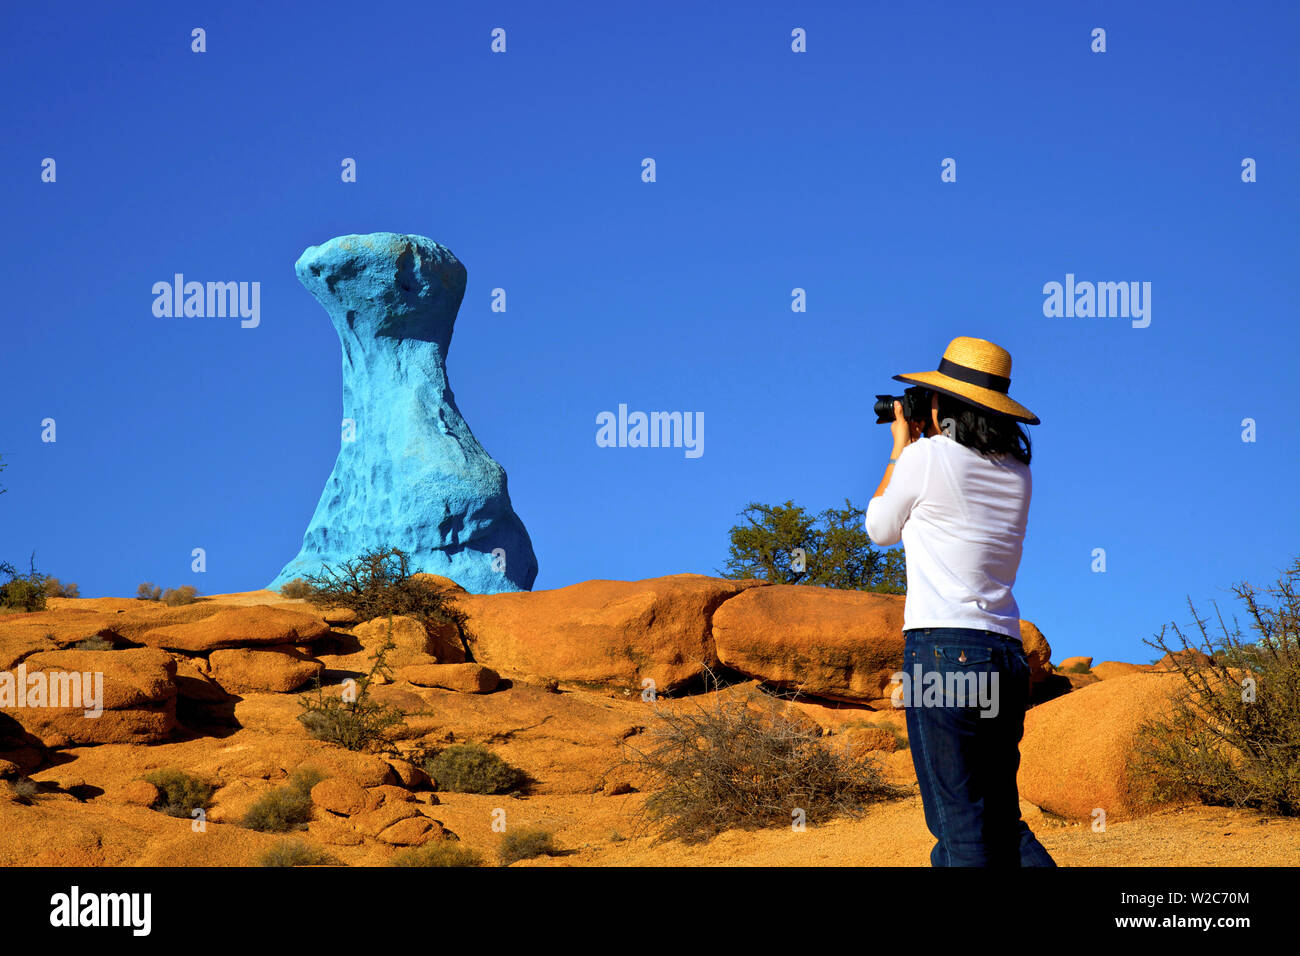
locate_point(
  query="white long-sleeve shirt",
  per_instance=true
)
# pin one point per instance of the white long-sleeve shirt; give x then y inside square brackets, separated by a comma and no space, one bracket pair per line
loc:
[961,518]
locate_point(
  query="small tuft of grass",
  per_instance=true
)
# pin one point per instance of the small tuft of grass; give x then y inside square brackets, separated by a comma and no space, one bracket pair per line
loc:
[180,793]
[96,642]
[26,789]
[437,853]
[284,808]
[294,852]
[526,843]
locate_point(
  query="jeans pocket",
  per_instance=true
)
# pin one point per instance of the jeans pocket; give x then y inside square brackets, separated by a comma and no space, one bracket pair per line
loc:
[969,674]
[962,656]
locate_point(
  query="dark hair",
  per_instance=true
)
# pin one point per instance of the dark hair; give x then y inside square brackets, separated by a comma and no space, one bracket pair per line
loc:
[988,433]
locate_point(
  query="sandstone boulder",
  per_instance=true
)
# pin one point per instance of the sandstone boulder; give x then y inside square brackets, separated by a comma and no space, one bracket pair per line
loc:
[1037,652]
[277,669]
[71,620]
[820,641]
[415,643]
[409,774]
[412,831]
[142,793]
[612,633]
[238,627]
[1076,748]
[138,702]
[339,616]
[342,796]
[1190,659]
[1109,669]
[467,678]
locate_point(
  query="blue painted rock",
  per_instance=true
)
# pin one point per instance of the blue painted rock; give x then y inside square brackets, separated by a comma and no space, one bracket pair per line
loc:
[411,475]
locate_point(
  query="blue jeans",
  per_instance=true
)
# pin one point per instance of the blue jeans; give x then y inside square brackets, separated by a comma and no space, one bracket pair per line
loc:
[965,740]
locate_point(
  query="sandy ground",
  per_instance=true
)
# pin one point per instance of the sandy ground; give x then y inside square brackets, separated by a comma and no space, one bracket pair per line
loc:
[890,834]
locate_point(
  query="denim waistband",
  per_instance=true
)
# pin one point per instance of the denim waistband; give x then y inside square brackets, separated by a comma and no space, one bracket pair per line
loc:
[972,633]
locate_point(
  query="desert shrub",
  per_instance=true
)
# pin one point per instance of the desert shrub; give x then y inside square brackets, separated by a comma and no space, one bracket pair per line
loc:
[26,789]
[524,844]
[1078,667]
[284,808]
[96,642]
[293,852]
[23,591]
[297,588]
[180,793]
[378,584]
[437,853]
[472,768]
[785,544]
[1232,738]
[54,588]
[736,764]
[354,720]
[148,592]
[175,597]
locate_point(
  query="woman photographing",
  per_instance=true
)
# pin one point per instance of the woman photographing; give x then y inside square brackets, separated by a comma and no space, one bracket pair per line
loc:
[956,493]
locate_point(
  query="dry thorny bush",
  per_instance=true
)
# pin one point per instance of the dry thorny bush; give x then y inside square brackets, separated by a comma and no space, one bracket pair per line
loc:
[379,582]
[745,764]
[1232,737]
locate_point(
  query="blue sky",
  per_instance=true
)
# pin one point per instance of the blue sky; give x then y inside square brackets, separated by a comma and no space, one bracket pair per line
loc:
[775,171]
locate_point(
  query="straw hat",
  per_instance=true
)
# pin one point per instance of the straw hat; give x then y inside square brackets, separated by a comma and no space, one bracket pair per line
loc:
[976,371]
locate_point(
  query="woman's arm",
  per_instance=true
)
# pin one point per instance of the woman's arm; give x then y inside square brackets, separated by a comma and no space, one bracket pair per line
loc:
[904,433]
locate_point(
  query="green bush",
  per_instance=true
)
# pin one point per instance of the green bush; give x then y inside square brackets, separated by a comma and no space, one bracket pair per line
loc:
[297,588]
[180,793]
[785,544]
[472,768]
[293,852]
[1232,738]
[437,853]
[284,808]
[22,592]
[175,597]
[524,844]
[361,723]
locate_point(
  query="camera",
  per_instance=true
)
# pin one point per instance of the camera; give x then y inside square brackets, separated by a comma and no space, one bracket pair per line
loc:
[916,405]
